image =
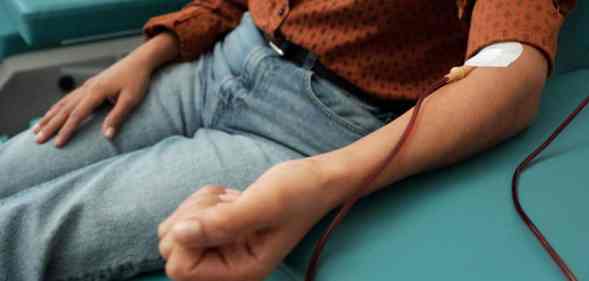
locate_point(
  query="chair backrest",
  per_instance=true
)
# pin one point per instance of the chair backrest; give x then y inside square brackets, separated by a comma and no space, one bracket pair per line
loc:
[573,45]
[51,22]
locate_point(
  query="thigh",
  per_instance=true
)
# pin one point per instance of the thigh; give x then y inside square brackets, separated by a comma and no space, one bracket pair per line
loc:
[101,221]
[173,106]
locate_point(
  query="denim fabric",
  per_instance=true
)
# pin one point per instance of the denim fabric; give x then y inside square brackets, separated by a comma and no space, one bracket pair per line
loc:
[90,211]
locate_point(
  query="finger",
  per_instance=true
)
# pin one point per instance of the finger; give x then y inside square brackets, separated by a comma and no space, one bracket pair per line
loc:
[182,262]
[123,106]
[165,246]
[205,197]
[185,211]
[81,112]
[221,224]
[255,209]
[211,265]
[276,244]
[53,110]
[45,119]
[54,124]
[198,198]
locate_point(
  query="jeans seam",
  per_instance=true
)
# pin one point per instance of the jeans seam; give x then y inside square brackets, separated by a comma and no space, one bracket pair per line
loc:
[253,58]
[260,86]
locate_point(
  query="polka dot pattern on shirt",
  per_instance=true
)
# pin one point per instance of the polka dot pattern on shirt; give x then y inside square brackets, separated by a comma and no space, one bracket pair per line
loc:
[392,49]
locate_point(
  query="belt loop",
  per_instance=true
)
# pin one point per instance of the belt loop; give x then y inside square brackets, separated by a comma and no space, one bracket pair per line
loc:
[309,61]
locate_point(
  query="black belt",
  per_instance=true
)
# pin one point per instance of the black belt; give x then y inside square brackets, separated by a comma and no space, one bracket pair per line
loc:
[301,57]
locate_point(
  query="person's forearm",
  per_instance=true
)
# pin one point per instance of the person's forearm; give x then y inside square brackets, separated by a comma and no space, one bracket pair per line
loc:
[157,51]
[457,121]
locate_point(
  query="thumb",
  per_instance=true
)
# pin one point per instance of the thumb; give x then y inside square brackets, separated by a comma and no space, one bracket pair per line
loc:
[224,223]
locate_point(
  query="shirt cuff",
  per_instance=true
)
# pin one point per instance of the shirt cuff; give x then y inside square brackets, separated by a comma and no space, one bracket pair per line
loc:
[195,27]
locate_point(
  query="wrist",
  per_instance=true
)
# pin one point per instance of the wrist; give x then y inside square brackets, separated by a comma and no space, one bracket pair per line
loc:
[337,178]
[157,51]
[346,172]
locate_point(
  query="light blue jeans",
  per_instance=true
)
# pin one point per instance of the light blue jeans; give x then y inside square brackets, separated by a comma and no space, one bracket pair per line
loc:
[90,211]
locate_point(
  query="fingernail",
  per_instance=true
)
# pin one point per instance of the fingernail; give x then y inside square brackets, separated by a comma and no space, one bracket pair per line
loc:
[110,132]
[59,142]
[39,137]
[36,128]
[187,229]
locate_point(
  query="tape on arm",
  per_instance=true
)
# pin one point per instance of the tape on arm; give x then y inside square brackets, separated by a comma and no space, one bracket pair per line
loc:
[497,55]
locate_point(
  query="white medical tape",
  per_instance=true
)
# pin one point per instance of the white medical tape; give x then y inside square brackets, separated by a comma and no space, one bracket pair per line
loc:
[497,55]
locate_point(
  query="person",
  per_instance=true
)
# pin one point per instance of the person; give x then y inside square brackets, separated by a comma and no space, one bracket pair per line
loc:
[247,121]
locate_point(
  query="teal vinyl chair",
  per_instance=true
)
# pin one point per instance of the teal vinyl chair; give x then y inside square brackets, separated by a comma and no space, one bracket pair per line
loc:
[50,22]
[459,223]
[27,25]
[10,40]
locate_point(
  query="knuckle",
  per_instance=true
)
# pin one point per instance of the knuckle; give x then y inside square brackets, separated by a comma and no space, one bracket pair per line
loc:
[212,189]
[61,114]
[96,87]
[58,106]
[45,119]
[89,81]
[76,115]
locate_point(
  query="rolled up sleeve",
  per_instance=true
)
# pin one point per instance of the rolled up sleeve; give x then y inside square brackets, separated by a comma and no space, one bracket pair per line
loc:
[199,25]
[532,22]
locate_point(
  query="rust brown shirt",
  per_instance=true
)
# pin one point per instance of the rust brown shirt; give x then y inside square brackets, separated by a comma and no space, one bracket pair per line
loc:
[392,49]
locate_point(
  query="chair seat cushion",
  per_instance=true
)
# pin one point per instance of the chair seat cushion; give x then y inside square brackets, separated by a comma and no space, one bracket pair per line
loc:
[49,22]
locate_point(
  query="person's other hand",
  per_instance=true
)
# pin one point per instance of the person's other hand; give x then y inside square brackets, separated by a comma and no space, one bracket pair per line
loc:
[124,84]
[220,234]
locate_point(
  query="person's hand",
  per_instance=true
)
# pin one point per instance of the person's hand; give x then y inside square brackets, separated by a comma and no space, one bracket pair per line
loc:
[220,234]
[123,84]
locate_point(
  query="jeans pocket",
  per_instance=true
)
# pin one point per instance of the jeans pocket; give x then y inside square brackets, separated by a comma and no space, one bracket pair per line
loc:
[343,107]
